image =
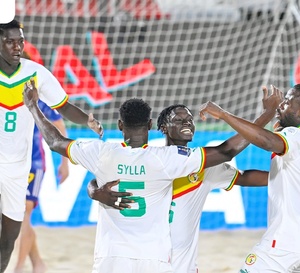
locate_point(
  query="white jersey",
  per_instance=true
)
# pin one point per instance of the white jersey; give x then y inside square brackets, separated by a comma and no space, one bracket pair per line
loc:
[16,122]
[143,231]
[284,195]
[187,205]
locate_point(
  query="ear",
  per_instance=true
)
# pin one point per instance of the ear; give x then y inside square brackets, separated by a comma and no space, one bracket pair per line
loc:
[120,125]
[164,129]
[150,124]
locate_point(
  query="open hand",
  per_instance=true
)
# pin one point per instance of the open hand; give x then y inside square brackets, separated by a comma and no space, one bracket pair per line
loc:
[104,194]
[271,102]
[95,125]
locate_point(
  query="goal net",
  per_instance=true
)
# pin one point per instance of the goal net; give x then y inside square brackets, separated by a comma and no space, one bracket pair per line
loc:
[168,52]
[104,52]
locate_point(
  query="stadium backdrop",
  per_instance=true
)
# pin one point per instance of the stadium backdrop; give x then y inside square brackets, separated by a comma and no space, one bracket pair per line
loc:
[224,54]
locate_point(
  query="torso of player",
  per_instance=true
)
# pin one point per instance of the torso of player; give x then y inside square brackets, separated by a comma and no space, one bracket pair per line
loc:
[189,195]
[148,174]
[16,122]
[283,196]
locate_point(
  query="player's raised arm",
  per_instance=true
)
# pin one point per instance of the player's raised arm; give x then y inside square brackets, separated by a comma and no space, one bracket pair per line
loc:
[76,115]
[53,137]
[230,148]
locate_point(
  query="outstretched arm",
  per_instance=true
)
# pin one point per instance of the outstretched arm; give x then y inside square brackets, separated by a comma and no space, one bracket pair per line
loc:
[230,148]
[53,137]
[252,178]
[63,169]
[76,115]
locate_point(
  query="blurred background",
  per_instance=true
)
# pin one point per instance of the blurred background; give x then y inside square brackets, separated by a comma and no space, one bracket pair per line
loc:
[166,52]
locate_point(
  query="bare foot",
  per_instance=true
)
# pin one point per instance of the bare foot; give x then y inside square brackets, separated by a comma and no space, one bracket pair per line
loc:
[39,268]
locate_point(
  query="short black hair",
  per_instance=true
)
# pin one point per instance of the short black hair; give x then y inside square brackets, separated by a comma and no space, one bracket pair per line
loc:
[135,113]
[165,114]
[12,24]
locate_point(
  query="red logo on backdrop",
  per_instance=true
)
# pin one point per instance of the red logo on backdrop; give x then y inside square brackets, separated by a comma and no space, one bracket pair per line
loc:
[77,80]
[295,75]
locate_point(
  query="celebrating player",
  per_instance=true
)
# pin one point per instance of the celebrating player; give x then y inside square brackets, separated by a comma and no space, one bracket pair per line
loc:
[17,128]
[177,124]
[279,248]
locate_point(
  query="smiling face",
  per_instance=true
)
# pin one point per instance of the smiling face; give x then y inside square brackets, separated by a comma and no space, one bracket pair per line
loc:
[11,49]
[180,127]
[288,112]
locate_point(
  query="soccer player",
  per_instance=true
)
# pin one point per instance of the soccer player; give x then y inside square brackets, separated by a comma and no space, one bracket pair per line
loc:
[27,238]
[135,240]
[138,240]
[279,248]
[177,124]
[17,124]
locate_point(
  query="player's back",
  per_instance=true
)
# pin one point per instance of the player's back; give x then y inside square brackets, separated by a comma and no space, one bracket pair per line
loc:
[141,232]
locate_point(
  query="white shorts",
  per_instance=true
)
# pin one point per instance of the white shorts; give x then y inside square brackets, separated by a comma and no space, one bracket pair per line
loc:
[13,188]
[120,264]
[267,259]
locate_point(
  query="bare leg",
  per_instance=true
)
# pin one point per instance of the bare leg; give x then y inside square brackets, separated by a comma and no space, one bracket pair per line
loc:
[38,264]
[9,232]
[27,244]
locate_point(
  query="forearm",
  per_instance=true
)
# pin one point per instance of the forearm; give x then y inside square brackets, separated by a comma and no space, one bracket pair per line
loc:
[253,133]
[253,178]
[53,137]
[74,114]
[91,189]
[238,143]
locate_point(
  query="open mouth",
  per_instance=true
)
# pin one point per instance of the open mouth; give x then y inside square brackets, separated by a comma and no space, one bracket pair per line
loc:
[186,131]
[16,56]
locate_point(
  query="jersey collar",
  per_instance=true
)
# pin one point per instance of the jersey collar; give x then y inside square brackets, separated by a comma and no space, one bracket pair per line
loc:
[125,144]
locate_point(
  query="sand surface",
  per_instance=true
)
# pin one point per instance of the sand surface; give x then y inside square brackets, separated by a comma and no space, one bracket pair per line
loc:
[70,250]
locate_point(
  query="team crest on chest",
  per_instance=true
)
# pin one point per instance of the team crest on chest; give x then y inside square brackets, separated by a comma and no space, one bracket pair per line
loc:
[193,177]
[251,259]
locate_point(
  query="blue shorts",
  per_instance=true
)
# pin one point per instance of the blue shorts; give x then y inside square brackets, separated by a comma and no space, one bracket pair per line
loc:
[34,184]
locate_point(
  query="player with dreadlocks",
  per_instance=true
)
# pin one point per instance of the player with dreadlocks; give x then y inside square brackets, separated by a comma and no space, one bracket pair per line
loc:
[189,193]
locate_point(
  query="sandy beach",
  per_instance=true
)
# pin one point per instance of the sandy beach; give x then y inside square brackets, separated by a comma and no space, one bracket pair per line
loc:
[70,250]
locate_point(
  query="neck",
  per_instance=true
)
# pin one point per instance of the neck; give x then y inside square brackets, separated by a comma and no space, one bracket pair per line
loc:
[170,142]
[7,68]
[136,139]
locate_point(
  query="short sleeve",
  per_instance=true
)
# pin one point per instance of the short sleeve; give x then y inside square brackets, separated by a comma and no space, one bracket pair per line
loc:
[291,139]
[85,153]
[50,90]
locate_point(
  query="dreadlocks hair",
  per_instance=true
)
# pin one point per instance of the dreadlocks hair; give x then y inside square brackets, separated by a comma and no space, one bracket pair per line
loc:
[135,113]
[165,114]
[12,24]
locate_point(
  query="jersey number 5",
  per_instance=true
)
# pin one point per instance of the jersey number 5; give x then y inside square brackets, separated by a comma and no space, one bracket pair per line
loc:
[123,186]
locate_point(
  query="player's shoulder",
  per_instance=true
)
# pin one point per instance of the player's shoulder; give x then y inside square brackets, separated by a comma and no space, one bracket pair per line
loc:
[290,131]
[174,150]
[290,135]
[32,66]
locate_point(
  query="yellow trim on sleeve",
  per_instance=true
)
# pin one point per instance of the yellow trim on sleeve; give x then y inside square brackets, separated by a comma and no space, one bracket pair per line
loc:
[68,152]
[61,104]
[286,145]
[232,183]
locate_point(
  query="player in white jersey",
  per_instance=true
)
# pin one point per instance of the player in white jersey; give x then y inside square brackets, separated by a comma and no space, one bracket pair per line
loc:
[279,248]
[189,193]
[16,128]
[135,240]
[138,239]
